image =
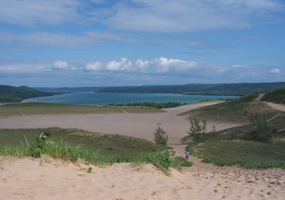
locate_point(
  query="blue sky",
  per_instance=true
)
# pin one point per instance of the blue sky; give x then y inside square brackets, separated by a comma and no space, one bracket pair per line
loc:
[75,43]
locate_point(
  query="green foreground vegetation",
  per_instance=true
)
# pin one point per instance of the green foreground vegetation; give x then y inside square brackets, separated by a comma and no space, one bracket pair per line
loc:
[92,148]
[259,143]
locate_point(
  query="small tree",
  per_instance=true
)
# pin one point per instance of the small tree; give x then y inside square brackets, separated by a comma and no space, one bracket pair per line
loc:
[160,136]
[260,130]
[197,131]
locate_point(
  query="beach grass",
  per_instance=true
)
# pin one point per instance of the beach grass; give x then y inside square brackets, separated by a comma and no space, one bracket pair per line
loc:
[105,144]
[19,109]
[94,148]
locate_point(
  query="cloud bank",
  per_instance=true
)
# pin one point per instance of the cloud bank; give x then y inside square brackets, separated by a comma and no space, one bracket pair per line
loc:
[124,72]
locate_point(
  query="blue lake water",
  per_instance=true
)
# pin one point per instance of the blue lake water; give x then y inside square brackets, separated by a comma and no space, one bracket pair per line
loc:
[123,98]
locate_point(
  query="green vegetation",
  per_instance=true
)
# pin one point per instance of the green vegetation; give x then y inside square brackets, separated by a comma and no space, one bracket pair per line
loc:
[259,143]
[277,96]
[92,148]
[234,89]
[198,132]
[160,136]
[260,130]
[244,153]
[152,105]
[235,110]
[46,108]
[17,94]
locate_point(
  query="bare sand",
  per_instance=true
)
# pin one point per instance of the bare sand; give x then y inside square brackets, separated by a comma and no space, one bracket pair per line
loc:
[29,178]
[130,124]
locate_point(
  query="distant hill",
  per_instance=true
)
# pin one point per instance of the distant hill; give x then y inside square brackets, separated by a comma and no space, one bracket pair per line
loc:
[67,89]
[276,96]
[17,94]
[233,89]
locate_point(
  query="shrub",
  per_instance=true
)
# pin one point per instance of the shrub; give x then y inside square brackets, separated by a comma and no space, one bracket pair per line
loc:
[160,136]
[260,130]
[198,133]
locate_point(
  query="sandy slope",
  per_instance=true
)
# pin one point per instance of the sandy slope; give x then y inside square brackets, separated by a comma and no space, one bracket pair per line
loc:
[37,179]
[33,179]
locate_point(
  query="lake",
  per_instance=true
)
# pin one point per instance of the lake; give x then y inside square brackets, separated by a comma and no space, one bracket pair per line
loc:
[123,98]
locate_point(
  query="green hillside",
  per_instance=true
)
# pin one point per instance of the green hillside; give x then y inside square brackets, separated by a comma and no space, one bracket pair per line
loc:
[233,89]
[277,96]
[17,94]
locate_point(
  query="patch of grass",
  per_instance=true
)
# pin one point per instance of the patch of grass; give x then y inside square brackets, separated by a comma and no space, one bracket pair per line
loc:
[244,153]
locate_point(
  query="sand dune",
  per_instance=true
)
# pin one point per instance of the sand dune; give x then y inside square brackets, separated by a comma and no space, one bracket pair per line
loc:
[34,179]
[29,178]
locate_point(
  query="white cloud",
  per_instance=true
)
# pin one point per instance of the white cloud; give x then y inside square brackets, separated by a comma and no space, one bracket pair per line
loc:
[93,66]
[122,65]
[239,66]
[275,71]
[60,65]
[157,71]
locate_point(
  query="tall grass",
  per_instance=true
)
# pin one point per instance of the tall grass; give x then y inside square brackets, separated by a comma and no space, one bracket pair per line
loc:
[163,160]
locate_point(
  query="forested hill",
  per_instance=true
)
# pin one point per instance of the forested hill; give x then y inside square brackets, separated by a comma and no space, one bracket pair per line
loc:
[17,94]
[232,89]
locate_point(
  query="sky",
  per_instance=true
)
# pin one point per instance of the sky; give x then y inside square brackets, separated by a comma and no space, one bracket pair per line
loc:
[81,43]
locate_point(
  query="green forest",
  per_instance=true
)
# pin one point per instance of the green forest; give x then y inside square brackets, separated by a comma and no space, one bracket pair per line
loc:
[17,94]
[232,89]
